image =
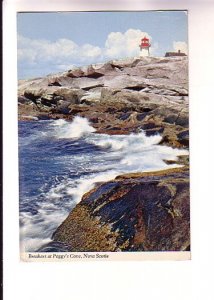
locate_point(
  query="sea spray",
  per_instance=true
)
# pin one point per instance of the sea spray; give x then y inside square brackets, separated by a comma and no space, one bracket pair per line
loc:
[64,160]
[78,128]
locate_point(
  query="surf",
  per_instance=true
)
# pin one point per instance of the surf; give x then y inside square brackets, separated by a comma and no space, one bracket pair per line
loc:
[65,160]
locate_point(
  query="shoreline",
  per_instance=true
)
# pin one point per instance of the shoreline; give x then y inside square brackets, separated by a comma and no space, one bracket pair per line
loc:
[121,98]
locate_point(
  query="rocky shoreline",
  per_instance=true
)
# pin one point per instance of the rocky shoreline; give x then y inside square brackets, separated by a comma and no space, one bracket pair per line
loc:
[118,97]
[135,212]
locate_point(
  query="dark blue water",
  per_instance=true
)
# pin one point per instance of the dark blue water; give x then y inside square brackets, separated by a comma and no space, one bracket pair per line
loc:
[60,161]
[45,161]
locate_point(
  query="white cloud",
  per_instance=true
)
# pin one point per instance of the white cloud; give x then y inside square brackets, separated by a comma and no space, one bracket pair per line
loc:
[182,46]
[61,51]
[64,52]
[124,45]
[88,50]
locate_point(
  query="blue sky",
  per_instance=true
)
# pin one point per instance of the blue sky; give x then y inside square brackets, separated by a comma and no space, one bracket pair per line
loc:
[53,42]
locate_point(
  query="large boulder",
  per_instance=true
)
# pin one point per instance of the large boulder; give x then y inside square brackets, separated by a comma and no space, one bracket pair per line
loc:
[135,212]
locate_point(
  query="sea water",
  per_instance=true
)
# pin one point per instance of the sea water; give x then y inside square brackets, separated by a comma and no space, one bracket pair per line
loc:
[59,161]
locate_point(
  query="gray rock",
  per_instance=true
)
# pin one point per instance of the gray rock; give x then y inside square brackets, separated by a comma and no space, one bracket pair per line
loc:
[157,86]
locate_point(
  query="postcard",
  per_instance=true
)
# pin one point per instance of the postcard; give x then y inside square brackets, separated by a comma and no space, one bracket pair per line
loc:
[103,136]
[99,98]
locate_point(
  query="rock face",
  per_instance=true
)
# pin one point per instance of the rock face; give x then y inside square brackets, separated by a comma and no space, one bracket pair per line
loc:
[118,97]
[134,212]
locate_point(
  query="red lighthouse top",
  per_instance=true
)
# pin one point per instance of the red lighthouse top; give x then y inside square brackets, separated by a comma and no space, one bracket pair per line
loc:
[145,43]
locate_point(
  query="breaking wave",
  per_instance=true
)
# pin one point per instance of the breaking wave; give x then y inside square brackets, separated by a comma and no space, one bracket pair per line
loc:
[78,128]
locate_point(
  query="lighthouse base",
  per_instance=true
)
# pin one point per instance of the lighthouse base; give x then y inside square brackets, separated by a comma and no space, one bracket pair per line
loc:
[144,52]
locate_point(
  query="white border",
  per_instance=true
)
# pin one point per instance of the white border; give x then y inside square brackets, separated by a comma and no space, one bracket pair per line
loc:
[104,256]
[95,5]
[119,280]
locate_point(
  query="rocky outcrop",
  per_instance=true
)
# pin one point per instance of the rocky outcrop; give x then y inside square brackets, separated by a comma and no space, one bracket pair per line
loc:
[118,97]
[135,212]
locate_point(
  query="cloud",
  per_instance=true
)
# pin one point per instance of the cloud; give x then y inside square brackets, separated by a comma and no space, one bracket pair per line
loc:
[59,52]
[41,57]
[122,45]
[182,46]
[57,55]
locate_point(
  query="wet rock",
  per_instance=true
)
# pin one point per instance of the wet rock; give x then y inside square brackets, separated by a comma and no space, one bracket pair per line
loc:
[63,107]
[125,116]
[135,212]
[183,137]
[141,116]
[154,131]
[94,120]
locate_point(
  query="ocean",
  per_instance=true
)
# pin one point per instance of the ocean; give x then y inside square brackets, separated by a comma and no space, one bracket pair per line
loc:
[59,161]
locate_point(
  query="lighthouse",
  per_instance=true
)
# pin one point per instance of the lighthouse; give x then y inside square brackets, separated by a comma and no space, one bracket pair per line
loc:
[145,44]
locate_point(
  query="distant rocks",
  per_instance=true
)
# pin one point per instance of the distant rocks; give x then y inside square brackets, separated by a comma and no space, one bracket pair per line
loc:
[135,212]
[127,94]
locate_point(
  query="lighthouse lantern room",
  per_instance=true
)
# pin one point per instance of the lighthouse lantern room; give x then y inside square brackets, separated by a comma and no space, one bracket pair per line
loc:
[145,44]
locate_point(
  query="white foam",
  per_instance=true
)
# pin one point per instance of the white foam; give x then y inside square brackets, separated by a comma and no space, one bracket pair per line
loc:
[36,230]
[111,143]
[87,183]
[75,129]
[132,142]
[59,122]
